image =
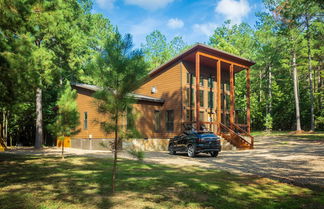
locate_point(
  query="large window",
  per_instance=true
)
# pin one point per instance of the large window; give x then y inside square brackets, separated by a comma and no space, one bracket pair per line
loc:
[211,99]
[210,82]
[190,97]
[157,121]
[85,121]
[201,98]
[201,81]
[169,118]
[191,77]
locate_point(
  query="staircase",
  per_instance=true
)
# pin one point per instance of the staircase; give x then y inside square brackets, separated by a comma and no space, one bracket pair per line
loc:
[236,136]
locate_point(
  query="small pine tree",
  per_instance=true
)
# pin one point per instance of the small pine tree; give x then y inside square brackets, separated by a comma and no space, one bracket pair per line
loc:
[268,122]
[68,117]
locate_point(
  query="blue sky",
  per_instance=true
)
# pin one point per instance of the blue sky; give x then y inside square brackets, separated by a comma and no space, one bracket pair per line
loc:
[193,20]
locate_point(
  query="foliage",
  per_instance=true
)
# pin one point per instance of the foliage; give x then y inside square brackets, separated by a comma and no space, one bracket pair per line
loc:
[268,122]
[158,50]
[119,71]
[138,154]
[68,117]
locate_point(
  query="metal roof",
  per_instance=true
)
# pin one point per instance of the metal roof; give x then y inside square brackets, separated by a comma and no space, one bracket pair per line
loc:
[203,47]
[136,96]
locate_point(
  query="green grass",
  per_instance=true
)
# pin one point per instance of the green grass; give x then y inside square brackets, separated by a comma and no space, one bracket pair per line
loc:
[306,136]
[83,182]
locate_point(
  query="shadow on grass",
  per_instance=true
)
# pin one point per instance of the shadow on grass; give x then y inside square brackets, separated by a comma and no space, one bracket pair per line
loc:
[83,182]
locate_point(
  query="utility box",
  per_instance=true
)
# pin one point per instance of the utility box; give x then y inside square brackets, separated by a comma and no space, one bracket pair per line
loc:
[67,142]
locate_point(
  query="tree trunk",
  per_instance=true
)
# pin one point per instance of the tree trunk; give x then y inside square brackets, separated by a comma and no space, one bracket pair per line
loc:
[295,78]
[310,73]
[114,171]
[39,119]
[270,90]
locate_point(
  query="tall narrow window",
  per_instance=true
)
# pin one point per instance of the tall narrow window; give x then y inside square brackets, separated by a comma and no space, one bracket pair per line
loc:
[201,81]
[201,98]
[211,99]
[190,97]
[210,82]
[157,121]
[85,121]
[188,112]
[169,120]
[188,78]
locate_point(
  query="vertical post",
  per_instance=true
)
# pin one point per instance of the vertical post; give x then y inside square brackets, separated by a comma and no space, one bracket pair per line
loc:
[248,113]
[231,96]
[197,89]
[219,106]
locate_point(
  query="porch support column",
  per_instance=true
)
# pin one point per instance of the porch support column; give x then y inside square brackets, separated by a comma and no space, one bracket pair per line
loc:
[248,113]
[232,108]
[197,89]
[219,106]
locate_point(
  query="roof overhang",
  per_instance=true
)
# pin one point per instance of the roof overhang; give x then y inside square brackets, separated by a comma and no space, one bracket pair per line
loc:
[189,54]
[138,97]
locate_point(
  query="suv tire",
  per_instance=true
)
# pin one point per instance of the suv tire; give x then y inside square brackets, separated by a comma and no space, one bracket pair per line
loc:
[214,153]
[171,149]
[191,151]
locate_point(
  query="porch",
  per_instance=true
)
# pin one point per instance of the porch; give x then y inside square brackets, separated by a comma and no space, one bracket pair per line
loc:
[222,118]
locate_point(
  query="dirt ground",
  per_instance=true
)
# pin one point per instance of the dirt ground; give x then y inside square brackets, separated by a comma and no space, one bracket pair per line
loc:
[284,158]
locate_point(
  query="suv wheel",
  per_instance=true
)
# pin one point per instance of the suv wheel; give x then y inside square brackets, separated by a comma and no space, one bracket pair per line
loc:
[171,149]
[191,151]
[214,154]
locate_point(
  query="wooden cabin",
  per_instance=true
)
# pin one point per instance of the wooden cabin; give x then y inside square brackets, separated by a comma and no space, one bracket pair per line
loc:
[196,87]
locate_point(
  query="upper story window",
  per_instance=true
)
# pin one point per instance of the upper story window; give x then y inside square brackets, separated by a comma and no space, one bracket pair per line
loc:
[210,82]
[201,98]
[211,99]
[201,81]
[190,96]
[85,120]
[190,77]
[169,120]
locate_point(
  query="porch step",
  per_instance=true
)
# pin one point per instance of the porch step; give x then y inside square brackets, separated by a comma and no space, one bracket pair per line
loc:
[239,141]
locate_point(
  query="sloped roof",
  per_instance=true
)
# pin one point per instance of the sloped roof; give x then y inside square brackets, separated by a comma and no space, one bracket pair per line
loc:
[208,49]
[136,96]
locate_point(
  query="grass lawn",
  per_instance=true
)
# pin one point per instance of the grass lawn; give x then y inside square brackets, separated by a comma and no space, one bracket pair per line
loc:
[83,182]
[307,136]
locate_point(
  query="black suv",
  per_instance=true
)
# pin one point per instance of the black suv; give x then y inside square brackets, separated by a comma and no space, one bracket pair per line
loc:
[194,142]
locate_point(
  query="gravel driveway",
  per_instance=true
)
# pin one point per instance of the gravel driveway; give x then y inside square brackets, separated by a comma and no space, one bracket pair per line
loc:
[290,160]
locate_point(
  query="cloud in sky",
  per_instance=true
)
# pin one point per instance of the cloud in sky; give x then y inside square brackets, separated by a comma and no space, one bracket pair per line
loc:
[149,4]
[175,23]
[207,28]
[142,29]
[233,10]
[105,4]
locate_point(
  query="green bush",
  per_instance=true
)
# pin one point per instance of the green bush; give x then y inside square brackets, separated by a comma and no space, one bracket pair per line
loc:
[139,155]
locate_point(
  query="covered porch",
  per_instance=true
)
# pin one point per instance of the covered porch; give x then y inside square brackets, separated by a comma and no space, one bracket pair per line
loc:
[220,69]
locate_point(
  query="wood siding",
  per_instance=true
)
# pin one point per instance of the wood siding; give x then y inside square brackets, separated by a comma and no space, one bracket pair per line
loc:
[168,86]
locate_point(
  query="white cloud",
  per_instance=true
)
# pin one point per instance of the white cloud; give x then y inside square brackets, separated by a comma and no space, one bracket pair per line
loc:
[233,10]
[149,4]
[206,29]
[142,29]
[175,23]
[105,4]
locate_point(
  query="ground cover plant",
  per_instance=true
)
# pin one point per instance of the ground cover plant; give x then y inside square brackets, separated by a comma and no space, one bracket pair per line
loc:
[84,182]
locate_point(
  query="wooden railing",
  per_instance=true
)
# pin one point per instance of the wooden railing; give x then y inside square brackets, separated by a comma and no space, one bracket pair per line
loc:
[243,132]
[233,136]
